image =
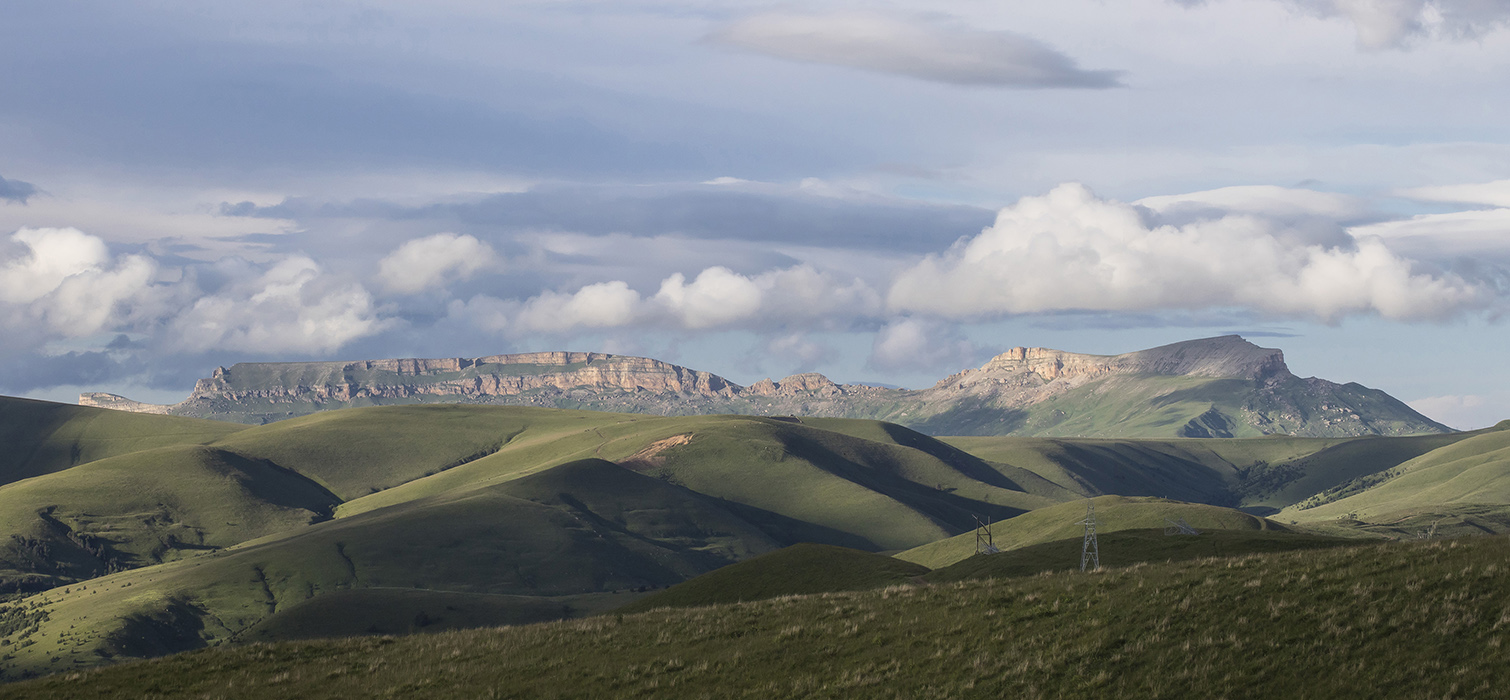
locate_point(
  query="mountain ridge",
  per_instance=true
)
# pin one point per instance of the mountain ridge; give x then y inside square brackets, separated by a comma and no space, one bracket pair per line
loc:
[1213,387]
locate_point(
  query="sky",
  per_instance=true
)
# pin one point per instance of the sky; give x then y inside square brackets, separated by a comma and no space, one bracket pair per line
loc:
[884,192]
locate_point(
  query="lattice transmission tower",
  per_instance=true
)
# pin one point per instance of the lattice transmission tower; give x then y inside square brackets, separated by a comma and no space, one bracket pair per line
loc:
[1090,552]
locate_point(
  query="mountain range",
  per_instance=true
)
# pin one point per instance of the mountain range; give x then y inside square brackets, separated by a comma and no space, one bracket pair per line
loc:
[1213,387]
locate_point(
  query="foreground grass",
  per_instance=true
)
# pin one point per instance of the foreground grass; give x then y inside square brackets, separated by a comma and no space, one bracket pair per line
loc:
[1395,620]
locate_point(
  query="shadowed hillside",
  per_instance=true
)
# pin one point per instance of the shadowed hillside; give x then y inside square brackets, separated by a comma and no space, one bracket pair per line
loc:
[1394,620]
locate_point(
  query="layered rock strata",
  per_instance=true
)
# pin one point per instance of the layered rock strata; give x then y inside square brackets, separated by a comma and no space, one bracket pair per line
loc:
[1216,387]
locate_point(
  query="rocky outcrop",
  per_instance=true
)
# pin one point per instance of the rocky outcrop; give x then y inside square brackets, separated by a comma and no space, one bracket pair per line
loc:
[1244,390]
[121,403]
[454,378]
[810,383]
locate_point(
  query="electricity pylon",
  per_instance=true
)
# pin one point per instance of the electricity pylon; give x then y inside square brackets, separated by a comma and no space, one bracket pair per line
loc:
[1090,552]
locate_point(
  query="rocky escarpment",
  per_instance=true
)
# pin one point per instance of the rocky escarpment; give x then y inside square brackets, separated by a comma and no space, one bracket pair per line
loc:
[494,375]
[1216,387]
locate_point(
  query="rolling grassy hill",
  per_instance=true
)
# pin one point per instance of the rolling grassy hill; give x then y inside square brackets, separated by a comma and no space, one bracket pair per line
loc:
[460,516]
[41,437]
[1467,479]
[1392,620]
[1262,474]
[144,508]
[1122,548]
[488,514]
[1063,522]
[795,570]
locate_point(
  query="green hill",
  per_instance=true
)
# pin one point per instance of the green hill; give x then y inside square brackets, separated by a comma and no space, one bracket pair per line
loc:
[232,533]
[41,437]
[1122,548]
[583,527]
[1263,474]
[798,569]
[389,611]
[1063,522]
[145,508]
[1470,478]
[1394,620]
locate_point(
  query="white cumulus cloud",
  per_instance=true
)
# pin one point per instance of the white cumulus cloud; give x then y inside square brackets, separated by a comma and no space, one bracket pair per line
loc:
[434,261]
[1070,250]
[718,296]
[603,305]
[292,307]
[69,280]
[912,48]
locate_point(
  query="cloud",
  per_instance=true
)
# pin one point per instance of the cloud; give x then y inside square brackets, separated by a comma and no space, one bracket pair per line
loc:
[16,190]
[292,307]
[797,348]
[602,305]
[920,344]
[1283,203]
[717,298]
[1478,234]
[1496,194]
[434,261]
[69,281]
[1464,412]
[1395,24]
[1071,251]
[798,295]
[886,44]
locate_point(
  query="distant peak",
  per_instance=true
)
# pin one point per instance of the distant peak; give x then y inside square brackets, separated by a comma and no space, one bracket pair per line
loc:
[805,382]
[1221,356]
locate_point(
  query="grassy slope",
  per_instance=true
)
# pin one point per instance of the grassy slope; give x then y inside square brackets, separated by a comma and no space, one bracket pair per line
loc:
[1268,472]
[359,451]
[876,493]
[41,437]
[1128,547]
[796,570]
[1394,620]
[1164,407]
[366,611]
[1473,472]
[583,527]
[146,507]
[1062,522]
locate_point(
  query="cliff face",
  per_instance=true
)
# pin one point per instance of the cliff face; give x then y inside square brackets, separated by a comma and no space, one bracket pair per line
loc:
[1217,387]
[454,378]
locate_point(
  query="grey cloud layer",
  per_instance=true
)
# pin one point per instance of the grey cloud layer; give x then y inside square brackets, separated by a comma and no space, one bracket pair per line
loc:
[886,44]
[16,190]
